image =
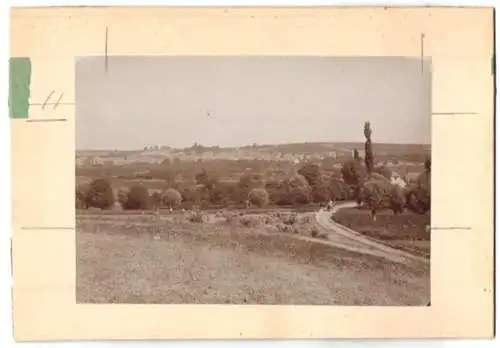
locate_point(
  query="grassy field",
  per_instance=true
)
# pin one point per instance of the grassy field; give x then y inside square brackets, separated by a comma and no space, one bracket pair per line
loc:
[404,231]
[137,259]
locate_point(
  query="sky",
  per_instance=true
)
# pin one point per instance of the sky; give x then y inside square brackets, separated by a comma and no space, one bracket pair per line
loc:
[236,101]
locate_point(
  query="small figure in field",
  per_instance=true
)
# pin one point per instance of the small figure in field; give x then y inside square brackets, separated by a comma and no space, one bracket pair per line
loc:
[171,210]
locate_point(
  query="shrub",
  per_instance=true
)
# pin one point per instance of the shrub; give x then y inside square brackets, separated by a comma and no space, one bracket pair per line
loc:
[306,219]
[195,216]
[80,197]
[138,198]
[283,228]
[171,198]
[289,219]
[228,216]
[314,232]
[248,221]
[100,194]
[258,197]
[247,183]
[122,197]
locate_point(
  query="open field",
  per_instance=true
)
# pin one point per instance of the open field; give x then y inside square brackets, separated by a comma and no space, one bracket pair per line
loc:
[140,259]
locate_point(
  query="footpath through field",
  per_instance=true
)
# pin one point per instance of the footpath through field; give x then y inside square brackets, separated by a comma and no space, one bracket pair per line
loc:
[349,239]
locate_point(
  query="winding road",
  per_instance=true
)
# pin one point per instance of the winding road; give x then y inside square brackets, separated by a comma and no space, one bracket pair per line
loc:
[349,239]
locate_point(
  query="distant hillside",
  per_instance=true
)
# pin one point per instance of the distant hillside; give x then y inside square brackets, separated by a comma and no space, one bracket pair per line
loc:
[292,148]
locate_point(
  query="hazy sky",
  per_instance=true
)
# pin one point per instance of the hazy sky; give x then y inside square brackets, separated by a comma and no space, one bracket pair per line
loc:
[231,101]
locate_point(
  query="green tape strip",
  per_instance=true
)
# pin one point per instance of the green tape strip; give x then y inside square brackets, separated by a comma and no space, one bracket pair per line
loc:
[19,90]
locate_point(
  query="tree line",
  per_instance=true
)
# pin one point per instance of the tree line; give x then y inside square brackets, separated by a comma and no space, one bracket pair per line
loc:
[359,180]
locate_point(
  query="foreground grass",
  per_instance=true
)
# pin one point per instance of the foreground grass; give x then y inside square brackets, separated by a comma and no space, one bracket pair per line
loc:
[219,263]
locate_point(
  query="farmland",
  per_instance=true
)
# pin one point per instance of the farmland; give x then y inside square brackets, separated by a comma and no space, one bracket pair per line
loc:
[126,258]
[247,230]
[405,231]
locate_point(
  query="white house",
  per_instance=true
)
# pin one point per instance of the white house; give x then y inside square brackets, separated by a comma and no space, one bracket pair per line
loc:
[397,180]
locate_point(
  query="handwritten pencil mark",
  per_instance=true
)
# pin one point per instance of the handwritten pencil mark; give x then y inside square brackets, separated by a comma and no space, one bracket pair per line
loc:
[451,228]
[106,51]
[58,101]
[61,103]
[455,113]
[47,99]
[47,120]
[422,36]
[47,228]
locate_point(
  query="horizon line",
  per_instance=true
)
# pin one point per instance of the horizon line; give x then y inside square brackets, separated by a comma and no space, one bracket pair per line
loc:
[251,145]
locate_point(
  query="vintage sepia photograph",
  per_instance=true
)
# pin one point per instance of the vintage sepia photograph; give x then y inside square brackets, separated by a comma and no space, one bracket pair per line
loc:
[270,180]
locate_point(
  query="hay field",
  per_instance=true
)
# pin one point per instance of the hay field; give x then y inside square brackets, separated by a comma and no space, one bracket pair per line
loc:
[146,259]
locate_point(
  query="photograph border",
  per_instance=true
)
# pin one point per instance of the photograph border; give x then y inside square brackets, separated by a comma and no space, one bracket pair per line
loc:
[43,162]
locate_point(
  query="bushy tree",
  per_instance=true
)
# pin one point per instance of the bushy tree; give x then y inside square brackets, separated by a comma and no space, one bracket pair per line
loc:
[311,172]
[384,171]
[190,195]
[169,177]
[339,190]
[138,198]
[418,196]
[246,183]
[100,194]
[171,198]
[381,194]
[318,183]
[353,172]
[202,177]
[373,194]
[297,189]
[320,189]
[122,197]
[258,197]
[273,188]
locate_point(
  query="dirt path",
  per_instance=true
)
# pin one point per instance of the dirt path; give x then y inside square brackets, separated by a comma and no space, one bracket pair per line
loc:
[351,240]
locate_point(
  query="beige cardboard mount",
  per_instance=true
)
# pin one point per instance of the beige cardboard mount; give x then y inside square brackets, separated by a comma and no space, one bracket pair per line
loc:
[459,41]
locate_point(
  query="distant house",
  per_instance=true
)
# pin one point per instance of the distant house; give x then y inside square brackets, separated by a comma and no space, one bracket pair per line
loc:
[332,154]
[398,180]
[95,160]
[80,162]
